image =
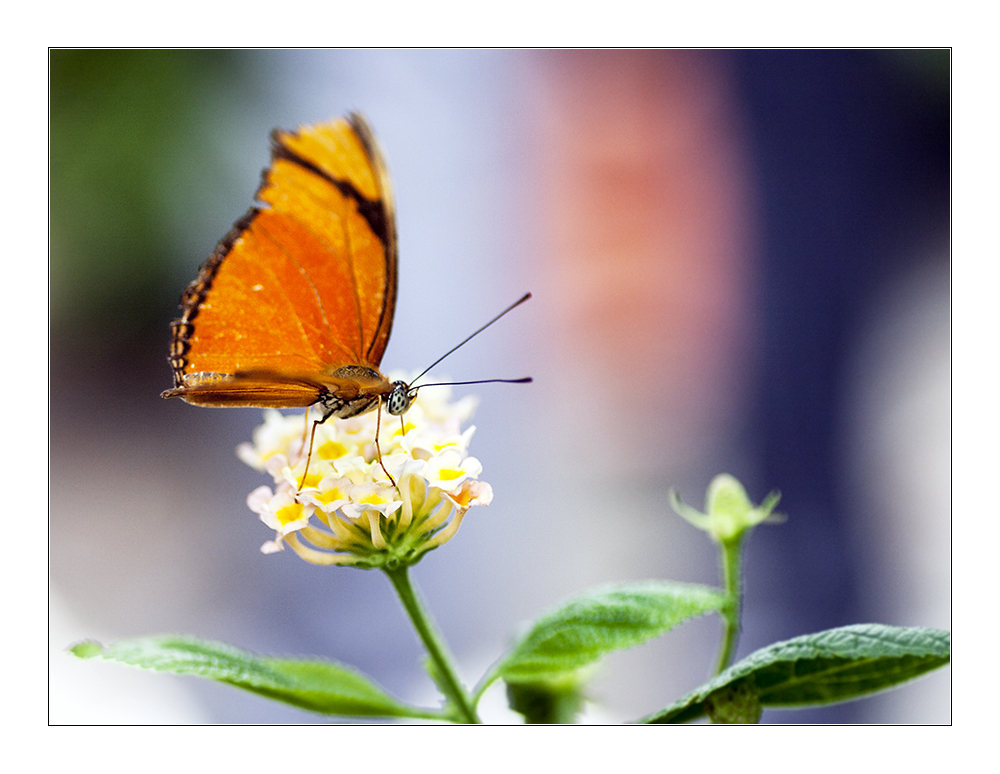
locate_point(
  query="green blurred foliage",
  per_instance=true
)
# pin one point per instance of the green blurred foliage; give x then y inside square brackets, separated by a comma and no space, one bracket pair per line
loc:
[121,123]
[928,68]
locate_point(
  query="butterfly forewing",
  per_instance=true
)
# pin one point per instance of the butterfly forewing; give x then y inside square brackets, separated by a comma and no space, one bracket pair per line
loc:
[352,165]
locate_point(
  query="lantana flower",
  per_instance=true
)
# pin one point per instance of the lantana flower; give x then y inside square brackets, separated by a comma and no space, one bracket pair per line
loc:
[347,510]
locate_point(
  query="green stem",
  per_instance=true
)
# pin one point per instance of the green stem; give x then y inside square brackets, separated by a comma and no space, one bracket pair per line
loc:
[436,648]
[732,554]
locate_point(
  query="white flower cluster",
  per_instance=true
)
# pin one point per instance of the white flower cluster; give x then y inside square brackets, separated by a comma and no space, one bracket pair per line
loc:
[343,508]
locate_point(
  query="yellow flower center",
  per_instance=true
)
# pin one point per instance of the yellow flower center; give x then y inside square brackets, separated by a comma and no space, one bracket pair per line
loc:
[334,493]
[331,450]
[289,513]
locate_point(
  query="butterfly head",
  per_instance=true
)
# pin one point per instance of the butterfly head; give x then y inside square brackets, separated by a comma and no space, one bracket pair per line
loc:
[400,398]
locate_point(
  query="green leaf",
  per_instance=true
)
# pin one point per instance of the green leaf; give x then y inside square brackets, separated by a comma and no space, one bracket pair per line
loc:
[585,629]
[828,667]
[313,684]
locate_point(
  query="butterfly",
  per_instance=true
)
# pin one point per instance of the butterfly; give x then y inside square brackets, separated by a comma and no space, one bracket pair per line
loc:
[295,306]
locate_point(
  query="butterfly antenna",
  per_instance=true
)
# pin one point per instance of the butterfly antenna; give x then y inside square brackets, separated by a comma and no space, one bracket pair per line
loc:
[464,341]
[522,380]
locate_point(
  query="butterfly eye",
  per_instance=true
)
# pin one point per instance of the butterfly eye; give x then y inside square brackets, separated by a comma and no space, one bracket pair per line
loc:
[399,399]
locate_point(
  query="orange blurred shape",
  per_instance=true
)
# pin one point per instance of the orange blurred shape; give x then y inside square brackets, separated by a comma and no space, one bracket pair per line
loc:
[645,242]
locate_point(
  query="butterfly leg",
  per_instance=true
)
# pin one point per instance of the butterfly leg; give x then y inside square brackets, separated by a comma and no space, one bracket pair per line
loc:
[305,430]
[312,437]
[378,449]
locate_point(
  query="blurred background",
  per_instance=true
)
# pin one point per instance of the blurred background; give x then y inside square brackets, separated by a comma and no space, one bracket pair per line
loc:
[739,261]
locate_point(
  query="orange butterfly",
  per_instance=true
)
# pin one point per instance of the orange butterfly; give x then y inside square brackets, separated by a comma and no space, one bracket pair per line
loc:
[295,306]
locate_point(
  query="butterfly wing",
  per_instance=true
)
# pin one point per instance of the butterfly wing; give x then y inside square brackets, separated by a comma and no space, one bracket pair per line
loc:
[301,286]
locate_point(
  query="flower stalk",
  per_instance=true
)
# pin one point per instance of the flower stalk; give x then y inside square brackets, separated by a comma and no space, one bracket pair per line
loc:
[729,516]
[444,668]
[731,555]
